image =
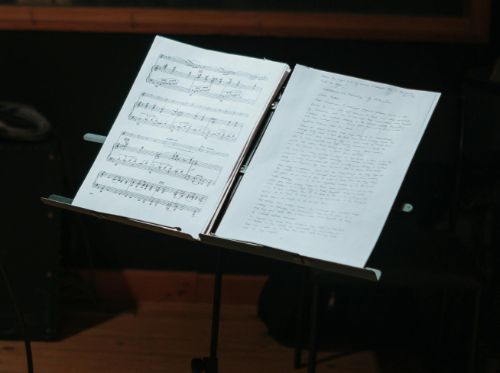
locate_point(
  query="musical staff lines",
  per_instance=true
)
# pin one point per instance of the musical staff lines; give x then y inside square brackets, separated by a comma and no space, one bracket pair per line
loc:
[171,156]
[202,76]
[175,116]
[195,106]
[175,145]
[148,192]
[216,69]
[137,152]
[213,82]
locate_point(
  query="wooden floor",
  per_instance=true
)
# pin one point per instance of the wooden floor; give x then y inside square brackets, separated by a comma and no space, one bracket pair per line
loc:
[164,336]
[167,323]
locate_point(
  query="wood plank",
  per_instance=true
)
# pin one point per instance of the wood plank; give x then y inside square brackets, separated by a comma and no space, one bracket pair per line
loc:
[473,27]
[480,16]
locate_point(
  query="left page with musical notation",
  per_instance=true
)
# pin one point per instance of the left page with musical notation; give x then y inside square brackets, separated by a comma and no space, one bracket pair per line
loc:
[180,136]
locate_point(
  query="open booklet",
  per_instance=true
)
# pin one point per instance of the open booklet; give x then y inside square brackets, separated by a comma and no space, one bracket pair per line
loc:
[319,184]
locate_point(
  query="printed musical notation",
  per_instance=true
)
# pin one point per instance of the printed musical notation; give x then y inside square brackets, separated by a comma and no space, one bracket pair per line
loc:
[186,117]
[129,187]
[174,145]
[132,150]
[180,136]
[214,69]
[212,82]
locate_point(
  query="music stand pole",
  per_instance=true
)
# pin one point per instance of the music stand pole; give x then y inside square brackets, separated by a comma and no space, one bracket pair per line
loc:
[210,364]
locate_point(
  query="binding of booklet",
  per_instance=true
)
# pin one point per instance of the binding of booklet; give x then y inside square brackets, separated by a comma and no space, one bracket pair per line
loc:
[321,181]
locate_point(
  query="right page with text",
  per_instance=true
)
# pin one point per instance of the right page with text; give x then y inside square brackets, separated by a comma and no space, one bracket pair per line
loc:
[327,171]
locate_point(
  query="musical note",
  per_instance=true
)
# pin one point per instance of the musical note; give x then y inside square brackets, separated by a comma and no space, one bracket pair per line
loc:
[216,69]
[173,156]
[142,104]
[173,145]
[163,169]
[189,128]
[169,205]
[135,152]
[201,90]
[193,105]
[213,80]
[159,188]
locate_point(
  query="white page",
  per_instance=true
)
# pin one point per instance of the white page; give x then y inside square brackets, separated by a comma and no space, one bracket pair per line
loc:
[328,169]
[179,135]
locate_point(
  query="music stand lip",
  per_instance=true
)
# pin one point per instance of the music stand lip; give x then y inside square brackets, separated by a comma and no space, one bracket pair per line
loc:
[366,273]
[65,203]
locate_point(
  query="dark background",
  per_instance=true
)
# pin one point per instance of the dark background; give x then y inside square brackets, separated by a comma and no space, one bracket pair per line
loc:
[79,81]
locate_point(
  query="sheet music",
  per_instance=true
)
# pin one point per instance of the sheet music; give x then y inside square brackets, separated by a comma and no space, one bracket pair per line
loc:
[328,169]
[181,132]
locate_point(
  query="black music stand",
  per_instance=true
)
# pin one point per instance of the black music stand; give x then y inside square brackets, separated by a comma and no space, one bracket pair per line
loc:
[209,364]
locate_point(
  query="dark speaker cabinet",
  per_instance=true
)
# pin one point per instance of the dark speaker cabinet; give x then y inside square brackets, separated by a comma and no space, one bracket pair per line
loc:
[30,237]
